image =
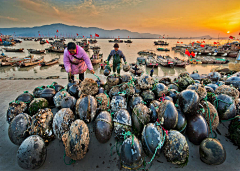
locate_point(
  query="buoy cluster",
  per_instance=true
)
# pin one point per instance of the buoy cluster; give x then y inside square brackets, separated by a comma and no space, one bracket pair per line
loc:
[146,115]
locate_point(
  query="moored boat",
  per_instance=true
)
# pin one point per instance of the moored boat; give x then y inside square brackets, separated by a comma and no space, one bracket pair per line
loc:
[165,62]
[151,62]
[33,51]
[115,41]
[51,62]
[141,60]
[32,62]
[161,43]
[13,50]
[128,41]
[163,49]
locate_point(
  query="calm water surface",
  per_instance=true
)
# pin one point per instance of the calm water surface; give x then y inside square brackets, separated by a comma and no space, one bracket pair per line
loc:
[129,50]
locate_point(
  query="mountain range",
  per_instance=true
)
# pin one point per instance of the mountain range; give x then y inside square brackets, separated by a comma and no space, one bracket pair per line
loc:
[72,31]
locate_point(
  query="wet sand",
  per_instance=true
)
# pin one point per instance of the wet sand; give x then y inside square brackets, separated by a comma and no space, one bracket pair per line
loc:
[99,155]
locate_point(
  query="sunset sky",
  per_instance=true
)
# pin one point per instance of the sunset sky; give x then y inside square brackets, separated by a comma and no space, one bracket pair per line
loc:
[170,17]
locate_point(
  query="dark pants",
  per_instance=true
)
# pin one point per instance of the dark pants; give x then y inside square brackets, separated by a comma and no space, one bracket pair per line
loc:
[71,77]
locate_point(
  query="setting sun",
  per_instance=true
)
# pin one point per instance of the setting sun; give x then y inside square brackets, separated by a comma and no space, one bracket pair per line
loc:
[228,32]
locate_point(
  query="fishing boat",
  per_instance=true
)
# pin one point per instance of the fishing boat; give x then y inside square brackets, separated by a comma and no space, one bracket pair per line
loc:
[38,39]
[161,43]
[151,62]
[13,50]
[96,58]
[115,41]
[51,62]
[17,41]
[32,62]
[13,61]
[141,60]
[161,60]
[135,70]
[163,49]
[33,51]
[42,42]
[179,63]
[194,61]
[92,41]
[128,41]
[221,61]
[95,47]
[232,54]
[84,45]
[28,39]
[147,53]
[54,49]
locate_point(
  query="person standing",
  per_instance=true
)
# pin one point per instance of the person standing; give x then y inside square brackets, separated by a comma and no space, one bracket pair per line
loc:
[117,55]
[151,72]
[76,61]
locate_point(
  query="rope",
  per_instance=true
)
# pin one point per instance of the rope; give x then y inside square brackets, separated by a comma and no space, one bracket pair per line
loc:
[160,144]
[107,98]
[126,134]
[231,119]
[14,101]
[70,162]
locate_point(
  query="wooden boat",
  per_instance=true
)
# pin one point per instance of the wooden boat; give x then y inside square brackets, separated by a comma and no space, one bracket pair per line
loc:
[17,41]
[92,41]
[95,47]
[54,49]
[151,62]
[128,41]
[139,71]
[32,62]
[232,54]
[194,61]
[161,43]
[33,51]
[141,60]
[38,39]
[179,63]
[147,53]
[27,39]
[51,62]
[84,45]
[13,61]
[13,50]
[165,62]
[42,42]
[221,61]
[115,41]
[163,49]
[96,58]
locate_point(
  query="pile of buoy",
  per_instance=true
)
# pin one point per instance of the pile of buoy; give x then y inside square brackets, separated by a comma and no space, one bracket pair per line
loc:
[147,116]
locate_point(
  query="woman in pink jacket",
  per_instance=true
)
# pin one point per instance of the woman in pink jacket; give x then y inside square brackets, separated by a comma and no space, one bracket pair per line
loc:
[76,61]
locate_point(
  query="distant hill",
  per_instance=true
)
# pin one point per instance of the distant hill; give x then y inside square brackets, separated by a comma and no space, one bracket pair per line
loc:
[66,31]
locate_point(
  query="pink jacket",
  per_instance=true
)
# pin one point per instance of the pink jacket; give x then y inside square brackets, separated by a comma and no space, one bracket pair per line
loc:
[81,65]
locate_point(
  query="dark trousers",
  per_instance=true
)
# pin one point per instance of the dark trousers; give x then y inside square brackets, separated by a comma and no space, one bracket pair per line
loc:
[71,77]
